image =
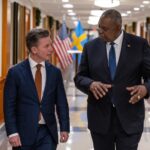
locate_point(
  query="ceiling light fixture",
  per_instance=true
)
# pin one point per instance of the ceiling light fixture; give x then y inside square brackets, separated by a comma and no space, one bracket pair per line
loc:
[141,6]
[67,5]
[124,14]
[96,12]
[71,13]
[146,2]
[107,3]
[93,20]
[65,1]
[128,12]
[136,9]
[70,10]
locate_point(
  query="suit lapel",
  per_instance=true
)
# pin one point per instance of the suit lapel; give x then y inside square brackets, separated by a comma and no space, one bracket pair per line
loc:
[103,53]
[123,55]
[30,81]
[48,80]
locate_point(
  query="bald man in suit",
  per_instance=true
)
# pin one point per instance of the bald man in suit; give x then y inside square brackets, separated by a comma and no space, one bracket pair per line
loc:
[111,72]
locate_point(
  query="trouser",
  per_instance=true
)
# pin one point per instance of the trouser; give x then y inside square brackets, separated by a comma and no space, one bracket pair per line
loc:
[43,141]
[116,138]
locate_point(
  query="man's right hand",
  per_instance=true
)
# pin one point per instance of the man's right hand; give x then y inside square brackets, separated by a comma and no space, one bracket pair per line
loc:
[15,141]
[99,89]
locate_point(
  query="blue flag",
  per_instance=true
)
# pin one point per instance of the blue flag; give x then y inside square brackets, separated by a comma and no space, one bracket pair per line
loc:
[79,38]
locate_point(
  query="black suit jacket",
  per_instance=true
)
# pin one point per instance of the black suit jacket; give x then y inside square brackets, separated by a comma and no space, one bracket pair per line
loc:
[133,65]
[21,104]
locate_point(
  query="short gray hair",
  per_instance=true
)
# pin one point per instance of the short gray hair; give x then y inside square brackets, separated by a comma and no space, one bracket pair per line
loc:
[114,15]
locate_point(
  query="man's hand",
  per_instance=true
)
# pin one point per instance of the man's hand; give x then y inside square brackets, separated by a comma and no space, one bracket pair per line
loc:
[137,93]
[15,141]
[64,137]
[99,89]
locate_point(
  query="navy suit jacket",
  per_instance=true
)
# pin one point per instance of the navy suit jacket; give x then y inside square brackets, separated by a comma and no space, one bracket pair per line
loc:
[21,105]
[134,64]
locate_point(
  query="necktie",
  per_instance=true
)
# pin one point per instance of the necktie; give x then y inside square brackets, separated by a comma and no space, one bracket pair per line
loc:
[38,80]
[112,60]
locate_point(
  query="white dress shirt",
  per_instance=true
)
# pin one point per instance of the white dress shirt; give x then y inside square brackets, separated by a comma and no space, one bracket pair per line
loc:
[117,46]
[43,72]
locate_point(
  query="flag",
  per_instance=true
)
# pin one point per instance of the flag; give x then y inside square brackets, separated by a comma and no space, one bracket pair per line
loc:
[62,44]
[79,37]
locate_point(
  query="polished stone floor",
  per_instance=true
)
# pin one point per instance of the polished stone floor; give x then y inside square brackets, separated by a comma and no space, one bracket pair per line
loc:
[79,135]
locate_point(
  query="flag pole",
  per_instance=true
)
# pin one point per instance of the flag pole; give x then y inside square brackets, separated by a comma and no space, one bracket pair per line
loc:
[64,17]
[76,68]
[77,55]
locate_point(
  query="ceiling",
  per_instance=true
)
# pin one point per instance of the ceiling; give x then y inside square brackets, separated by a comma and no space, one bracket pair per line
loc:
[82,9]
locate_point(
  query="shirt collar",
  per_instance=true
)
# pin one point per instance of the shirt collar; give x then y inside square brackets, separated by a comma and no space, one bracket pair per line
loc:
[118,40]
[34,63]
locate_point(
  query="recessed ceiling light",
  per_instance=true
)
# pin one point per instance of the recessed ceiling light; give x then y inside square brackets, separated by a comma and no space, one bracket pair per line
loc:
[96,12]
[146,2]
[141,6]
[107,3]
[124,14]
[93,20]
[128,12]
[65,1]
[136,9]
[67,5]
[71,14]
[70,10]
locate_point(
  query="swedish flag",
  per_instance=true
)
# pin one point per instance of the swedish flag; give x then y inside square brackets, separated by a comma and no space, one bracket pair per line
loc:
[79,37]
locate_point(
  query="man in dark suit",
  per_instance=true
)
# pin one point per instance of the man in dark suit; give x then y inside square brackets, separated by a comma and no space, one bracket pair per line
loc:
[111,72]
[33,89]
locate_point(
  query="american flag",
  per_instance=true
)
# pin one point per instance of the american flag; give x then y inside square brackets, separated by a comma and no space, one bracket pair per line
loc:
[62,44]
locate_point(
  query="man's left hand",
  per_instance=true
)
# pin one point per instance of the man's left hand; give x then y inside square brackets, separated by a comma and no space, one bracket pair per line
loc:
[64,136]
[137,93]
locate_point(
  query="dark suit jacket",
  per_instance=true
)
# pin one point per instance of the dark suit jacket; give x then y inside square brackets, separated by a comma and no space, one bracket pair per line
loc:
[21,105]
[134,63]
